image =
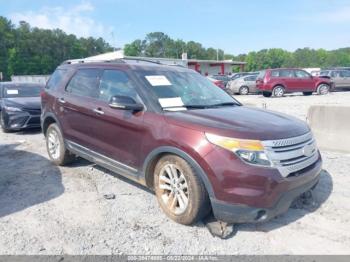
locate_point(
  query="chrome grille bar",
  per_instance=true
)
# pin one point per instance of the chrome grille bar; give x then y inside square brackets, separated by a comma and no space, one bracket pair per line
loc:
[292,154]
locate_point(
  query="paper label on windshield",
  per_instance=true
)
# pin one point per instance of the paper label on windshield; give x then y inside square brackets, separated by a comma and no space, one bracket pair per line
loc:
[158,80]
[175,102]
[12,92]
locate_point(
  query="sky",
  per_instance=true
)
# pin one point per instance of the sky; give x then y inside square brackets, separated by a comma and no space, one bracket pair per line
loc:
[235,26]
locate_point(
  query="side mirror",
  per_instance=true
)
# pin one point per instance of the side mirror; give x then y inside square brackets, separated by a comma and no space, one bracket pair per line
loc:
[125,103]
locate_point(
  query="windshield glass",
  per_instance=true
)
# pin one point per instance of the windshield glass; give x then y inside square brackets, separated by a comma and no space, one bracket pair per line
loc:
[22,91]
[184,90]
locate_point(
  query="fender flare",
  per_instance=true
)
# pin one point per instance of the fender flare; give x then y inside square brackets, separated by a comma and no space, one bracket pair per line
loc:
[173,150]
[46,116]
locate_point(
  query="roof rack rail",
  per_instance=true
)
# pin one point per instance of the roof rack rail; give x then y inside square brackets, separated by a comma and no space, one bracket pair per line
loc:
[143,60]
[81,61]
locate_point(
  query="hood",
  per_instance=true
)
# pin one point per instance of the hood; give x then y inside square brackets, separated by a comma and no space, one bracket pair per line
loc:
[240,122]
[24,102]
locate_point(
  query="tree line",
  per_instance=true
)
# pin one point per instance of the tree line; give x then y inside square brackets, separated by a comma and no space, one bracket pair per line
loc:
[158,44]
[29,51]
[26,50]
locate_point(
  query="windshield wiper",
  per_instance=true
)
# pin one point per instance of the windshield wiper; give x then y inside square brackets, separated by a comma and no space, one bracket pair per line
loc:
[224,104]
[187,107]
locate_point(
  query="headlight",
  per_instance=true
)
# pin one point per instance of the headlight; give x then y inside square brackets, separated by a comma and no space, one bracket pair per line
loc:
[250,151]
[12,109]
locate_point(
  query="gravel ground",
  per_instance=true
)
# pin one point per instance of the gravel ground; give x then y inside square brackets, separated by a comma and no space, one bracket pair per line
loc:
[49,210]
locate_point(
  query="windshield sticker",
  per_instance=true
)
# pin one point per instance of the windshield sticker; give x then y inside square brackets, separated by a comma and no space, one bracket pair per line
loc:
[158,80]
[173,103]
[12,91]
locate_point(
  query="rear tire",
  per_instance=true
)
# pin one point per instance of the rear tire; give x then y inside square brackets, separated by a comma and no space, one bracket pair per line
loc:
[266,94]
[243,90]
[278,91]
[180,192]
[307,93]
[323,89]
[56,148]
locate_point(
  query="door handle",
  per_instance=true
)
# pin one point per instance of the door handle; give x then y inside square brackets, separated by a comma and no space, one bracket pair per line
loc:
[98,111]
[61,100]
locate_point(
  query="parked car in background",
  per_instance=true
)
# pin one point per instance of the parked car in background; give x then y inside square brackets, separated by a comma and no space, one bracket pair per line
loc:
[223,78]
[217,82]
[277,82]
[171,130]
[20,106]
[341,78]
[243,85]
[240,74]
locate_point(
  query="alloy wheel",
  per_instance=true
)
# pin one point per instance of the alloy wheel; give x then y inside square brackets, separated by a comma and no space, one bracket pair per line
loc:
[244,90]
[54,145]
[278,91]
[174,189]
[323,89]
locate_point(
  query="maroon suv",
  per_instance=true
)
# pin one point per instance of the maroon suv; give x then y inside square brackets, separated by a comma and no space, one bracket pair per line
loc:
[171,129]
[279,81]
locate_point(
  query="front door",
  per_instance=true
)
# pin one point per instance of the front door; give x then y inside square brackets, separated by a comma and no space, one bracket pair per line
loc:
[117,134]
[304,81]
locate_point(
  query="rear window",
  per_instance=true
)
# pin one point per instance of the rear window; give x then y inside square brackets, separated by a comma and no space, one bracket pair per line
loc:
[261,74]
[22,91]
[56,79]
[85,83]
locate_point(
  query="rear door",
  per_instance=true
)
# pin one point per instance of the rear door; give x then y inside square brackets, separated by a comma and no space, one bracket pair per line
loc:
[77,103]
[304,81]
[287,78]
[336,78]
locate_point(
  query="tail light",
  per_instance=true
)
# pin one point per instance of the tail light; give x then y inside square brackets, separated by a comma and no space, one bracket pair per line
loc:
[220,84]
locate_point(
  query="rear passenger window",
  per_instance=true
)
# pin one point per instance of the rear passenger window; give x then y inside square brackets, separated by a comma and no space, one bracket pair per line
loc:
[56,79]
[275,73]
[345,73]
[286,73]
[115,83]
[85,83]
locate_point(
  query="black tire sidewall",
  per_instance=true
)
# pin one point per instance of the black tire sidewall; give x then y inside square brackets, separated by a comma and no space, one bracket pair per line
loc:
[2,123]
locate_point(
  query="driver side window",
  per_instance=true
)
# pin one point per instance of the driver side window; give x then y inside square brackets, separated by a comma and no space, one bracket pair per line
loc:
[115,83]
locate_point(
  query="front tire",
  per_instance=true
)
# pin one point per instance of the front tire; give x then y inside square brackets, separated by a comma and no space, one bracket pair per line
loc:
[3,124]
[56,148]
[278,91]
[180,192]
[323,89]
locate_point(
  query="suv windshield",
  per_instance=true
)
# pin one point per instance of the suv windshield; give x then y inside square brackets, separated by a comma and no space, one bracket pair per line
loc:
[181,90]
[22,91]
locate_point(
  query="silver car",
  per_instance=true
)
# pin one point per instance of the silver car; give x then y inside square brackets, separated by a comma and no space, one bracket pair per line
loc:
[341,78]
[243,85]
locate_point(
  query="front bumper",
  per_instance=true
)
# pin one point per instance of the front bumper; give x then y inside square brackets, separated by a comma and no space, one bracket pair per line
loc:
[245,213]
[21,120]
[235,213]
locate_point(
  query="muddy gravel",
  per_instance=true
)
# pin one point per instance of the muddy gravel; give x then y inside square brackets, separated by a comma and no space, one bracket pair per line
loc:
[85,209]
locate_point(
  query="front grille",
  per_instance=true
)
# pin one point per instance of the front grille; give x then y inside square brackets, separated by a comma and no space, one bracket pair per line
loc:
[292,154]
